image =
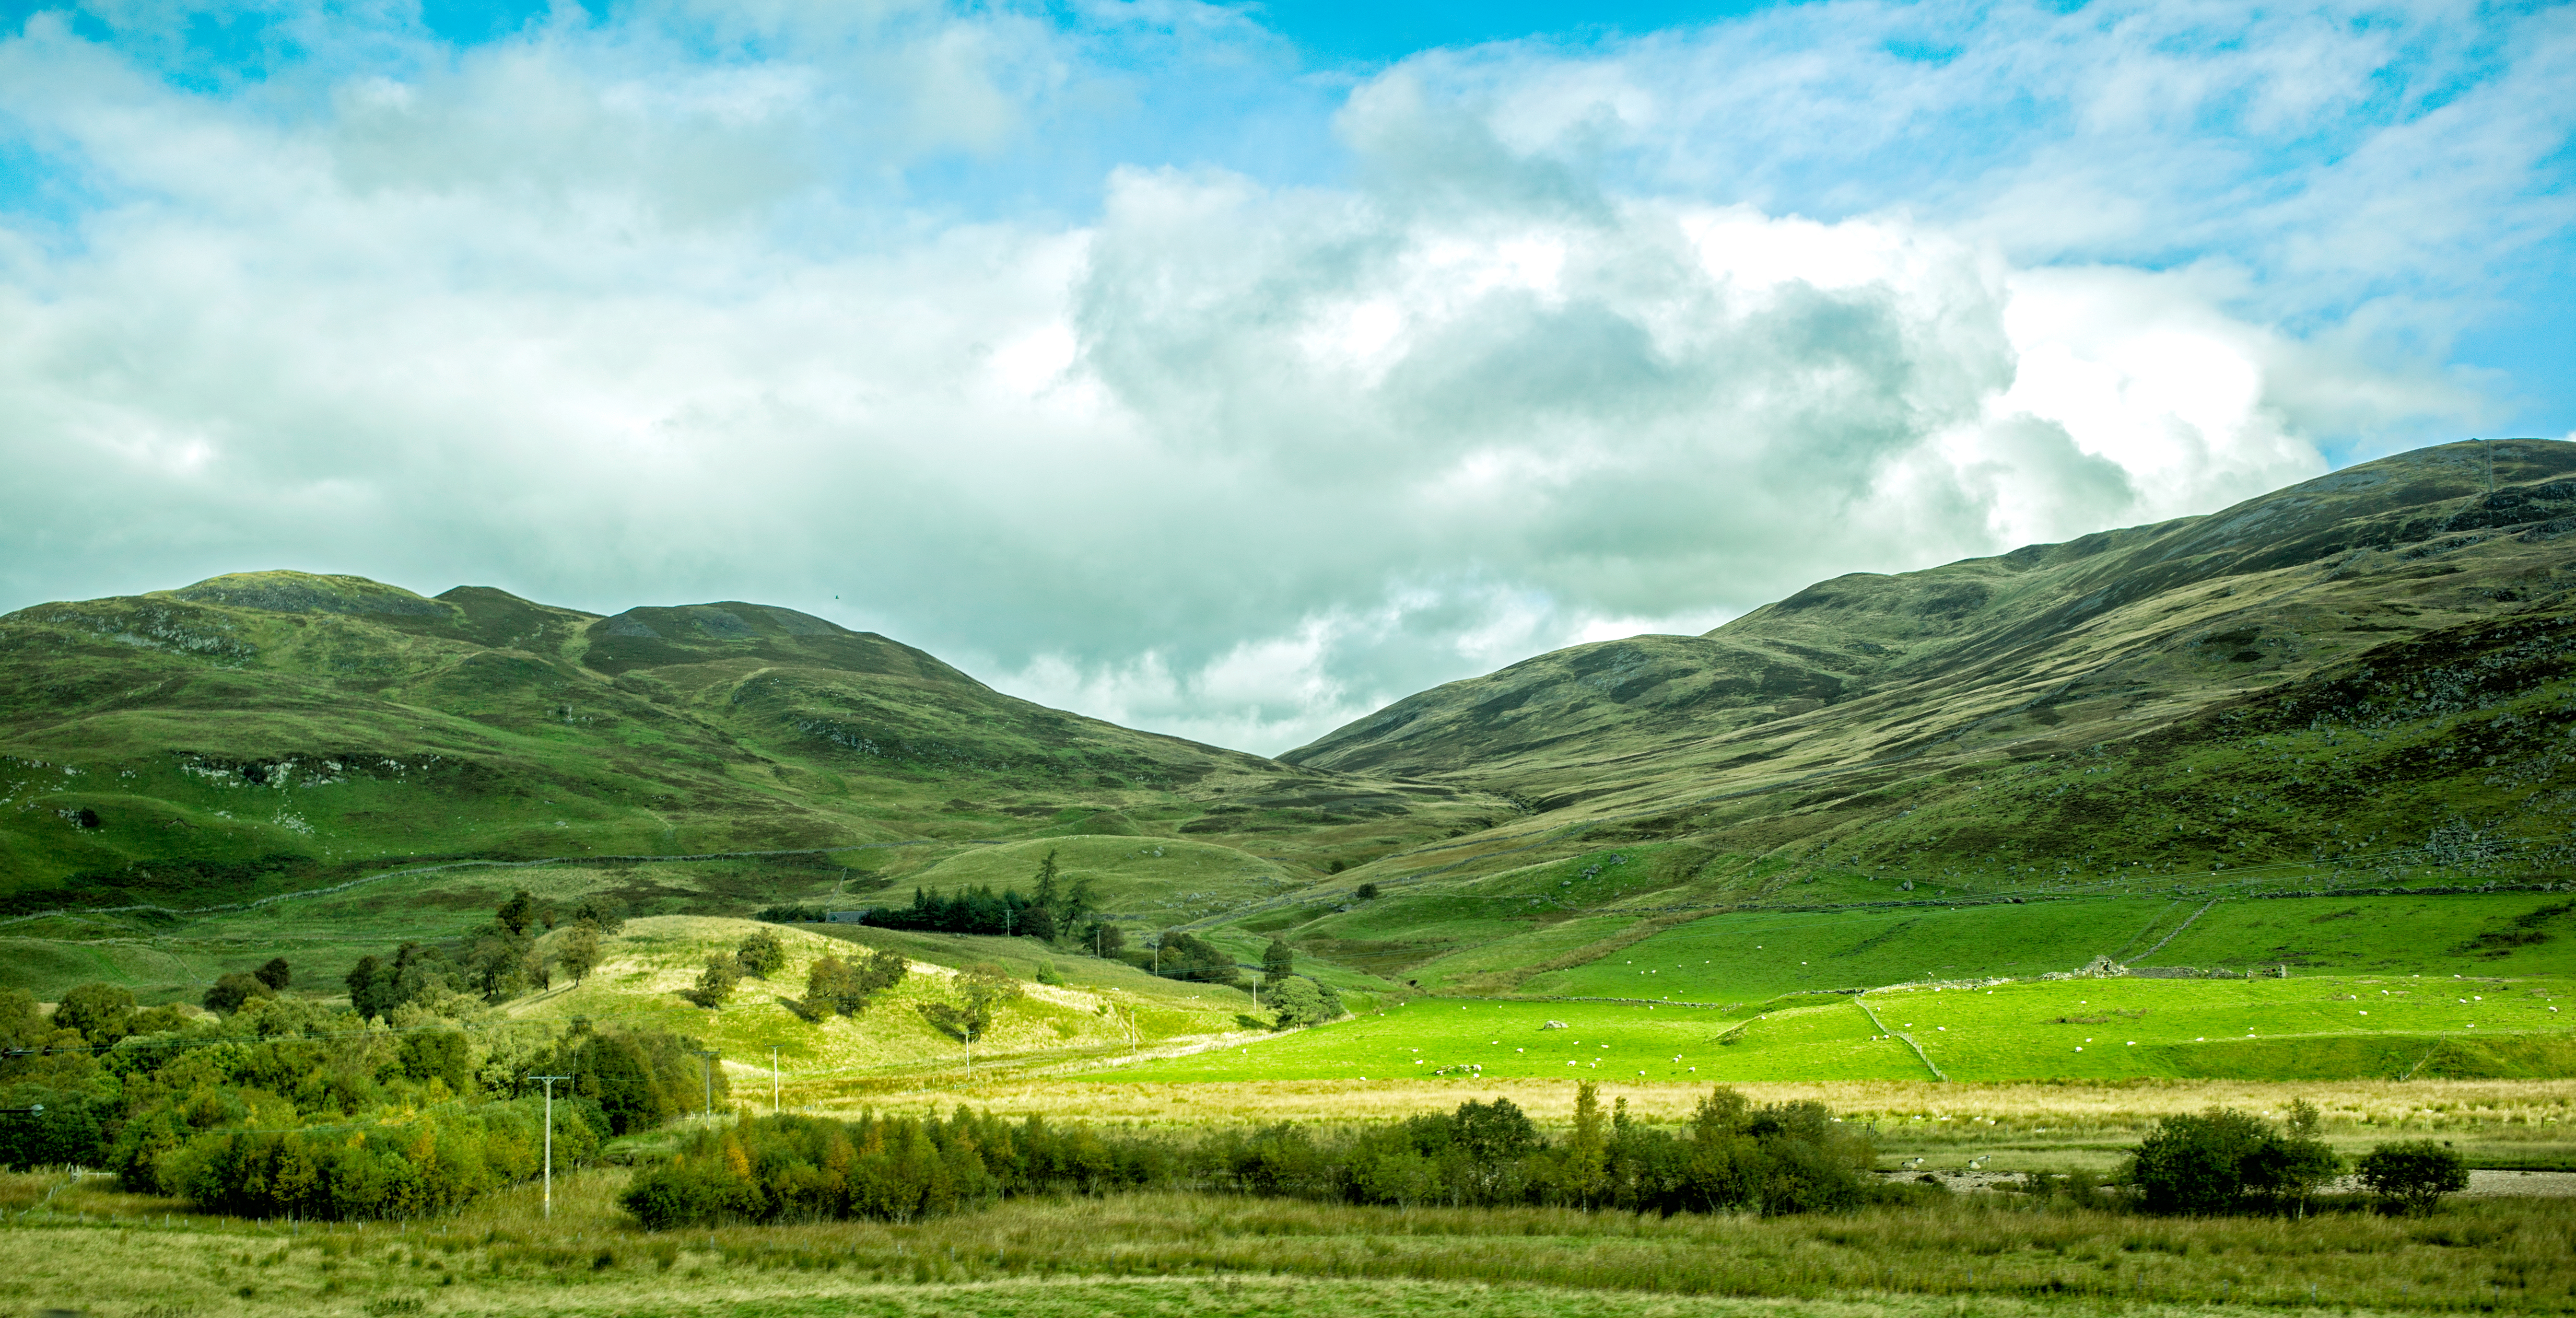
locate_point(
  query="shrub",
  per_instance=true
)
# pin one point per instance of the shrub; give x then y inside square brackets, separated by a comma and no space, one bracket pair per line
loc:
[2225,1161]
[1366,892]
[716,982]
[233,990]
[846,987]
[276,974]
[761,955]
[103,1013]
[1298,1000]
[2411,1177]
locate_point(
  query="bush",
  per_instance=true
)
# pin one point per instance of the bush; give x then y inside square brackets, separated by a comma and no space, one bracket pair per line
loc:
[1366,892]
[1297,1000]
[2411,1177]
[846,987]
[276,974]
[2225,1161]
[761,955]
[103,1013]
[232,991]
[716,982]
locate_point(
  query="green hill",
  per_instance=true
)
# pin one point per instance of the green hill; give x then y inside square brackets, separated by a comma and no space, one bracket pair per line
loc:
[2349,670]
[263,732]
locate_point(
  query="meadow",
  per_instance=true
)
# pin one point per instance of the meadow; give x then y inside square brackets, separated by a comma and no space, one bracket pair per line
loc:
[84,1247]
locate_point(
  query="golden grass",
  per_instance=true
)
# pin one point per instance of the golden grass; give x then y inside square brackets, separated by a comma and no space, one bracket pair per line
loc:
[2541,1109]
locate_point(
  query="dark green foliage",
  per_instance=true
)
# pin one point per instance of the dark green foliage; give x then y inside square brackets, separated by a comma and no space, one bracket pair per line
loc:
[517,913]
[69,1131]
[846,987]
[2226,1161]
[103,1013]
[761,955]
[1297,1000]
[1277,960]
[979,910]
[639,1079]
[1105,939]
[439,1055]
[1786,1159]
[792,914]
[1366,892]
[605,914]
[716,982]
[231,991]
[276,974]
[979,991]
[2412,1176]
[1184,955]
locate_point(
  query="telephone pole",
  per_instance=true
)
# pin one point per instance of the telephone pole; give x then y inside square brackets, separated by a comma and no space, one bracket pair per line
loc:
[710,1063]
[550,1139]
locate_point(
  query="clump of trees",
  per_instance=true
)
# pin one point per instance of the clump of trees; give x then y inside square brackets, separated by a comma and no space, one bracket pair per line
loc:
[1791,1158]
[845,987]
[2226,1161]
[296,1106]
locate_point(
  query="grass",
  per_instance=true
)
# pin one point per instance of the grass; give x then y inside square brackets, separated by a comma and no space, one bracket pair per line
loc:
[1217,1253]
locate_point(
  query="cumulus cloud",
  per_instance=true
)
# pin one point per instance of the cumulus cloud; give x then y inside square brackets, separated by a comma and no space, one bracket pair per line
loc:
[713,303]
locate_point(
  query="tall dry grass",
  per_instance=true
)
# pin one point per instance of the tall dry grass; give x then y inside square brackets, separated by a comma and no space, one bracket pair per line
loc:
[2539,1109]
[1036,1256]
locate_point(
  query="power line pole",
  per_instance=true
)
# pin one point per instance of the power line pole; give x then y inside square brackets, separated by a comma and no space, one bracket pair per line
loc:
[550,1139]
[710,1063]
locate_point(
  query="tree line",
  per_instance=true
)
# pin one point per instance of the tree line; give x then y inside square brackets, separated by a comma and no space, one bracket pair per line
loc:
[1733,1156]
[285,1105]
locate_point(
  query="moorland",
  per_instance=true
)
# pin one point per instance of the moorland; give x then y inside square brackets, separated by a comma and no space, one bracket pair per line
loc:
[2009,863]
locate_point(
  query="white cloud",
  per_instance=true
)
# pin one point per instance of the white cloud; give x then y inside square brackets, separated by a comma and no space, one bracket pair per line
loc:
[1588,343]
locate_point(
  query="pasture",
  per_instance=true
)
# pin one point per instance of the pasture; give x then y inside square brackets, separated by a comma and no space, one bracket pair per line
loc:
[2324,1027]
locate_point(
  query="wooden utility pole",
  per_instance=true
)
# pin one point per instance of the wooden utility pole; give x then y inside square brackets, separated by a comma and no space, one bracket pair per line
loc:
[550,1138]
[710,1063]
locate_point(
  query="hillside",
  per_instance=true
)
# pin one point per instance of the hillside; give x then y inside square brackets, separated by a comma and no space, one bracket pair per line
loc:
[2172,636]
[267,731]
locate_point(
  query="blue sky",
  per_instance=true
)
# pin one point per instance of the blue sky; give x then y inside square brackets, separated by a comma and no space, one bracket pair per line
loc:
[1232,370]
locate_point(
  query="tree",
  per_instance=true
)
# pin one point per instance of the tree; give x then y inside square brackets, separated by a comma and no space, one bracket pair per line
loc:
[605,914]
[1366,892]
[371,988]
[1276,961]
[1042,891]
[577,951]
[762,955]
[232,991]
[847,987]
[980,990]
[103,1013]
[276,974]
[1105,939]
[2412,1176]
[716,982]
[2225,1161]
[517,913]
[1298,1000]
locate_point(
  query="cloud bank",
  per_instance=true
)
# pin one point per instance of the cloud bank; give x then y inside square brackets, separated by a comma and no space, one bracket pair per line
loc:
[1233,399]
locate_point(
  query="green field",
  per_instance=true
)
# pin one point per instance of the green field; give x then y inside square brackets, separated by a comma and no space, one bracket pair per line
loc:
[2328,1027]
[1748,957]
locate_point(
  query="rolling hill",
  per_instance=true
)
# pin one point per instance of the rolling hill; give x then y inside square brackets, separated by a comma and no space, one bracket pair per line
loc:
[266,731]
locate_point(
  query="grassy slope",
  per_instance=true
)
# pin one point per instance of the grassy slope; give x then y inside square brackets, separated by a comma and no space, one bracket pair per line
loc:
[269,731]
[2322,673]
[2310,1028]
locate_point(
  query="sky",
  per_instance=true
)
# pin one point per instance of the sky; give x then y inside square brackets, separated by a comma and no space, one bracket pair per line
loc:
[1231,370]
